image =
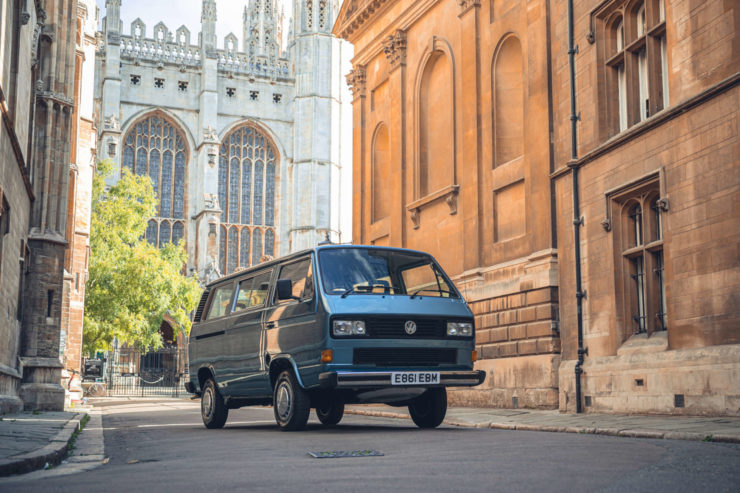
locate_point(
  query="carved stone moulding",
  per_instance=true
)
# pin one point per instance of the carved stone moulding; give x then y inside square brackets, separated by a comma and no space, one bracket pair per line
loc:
[395,49]
[449,194]
[356,14]
[466,5]
[357,80]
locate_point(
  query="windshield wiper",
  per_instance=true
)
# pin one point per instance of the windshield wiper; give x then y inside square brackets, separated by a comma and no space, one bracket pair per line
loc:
[440,290]
[368,288]
[349,291]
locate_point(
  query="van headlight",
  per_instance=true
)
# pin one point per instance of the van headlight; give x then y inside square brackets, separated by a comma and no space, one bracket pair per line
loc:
[460,329]
[348,328]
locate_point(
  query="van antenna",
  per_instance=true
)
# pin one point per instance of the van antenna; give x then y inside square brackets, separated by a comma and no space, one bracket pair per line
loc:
[326,241]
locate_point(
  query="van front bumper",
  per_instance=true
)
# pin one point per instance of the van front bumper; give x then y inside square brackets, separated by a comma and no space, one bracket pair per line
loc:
[364,379]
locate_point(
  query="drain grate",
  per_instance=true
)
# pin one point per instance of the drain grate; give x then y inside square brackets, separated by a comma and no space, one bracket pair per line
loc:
[338,454]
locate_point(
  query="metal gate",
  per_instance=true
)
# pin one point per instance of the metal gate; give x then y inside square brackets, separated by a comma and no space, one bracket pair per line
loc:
[133,372]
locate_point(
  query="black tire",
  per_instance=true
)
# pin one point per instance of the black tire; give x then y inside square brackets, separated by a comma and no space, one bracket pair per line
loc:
[290,403]
[429,409]
[330,412]
[212,408]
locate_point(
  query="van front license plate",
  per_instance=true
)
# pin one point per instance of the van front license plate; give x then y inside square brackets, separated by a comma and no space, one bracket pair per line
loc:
[415,378]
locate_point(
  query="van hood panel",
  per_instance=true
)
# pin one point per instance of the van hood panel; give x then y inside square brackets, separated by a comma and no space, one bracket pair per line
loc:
[363,304]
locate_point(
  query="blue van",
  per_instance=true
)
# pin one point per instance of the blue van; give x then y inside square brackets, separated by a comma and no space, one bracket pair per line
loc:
[335,325]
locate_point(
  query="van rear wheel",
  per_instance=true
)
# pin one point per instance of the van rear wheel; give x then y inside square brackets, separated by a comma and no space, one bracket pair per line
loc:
[330,412]
[429,409]
[213,410]
[290,403]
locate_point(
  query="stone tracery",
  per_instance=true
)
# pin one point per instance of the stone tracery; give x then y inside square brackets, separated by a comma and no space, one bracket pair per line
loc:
[156,147]
[246,189]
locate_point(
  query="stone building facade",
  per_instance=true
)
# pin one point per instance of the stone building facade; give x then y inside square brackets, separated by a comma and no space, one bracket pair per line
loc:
[244,139]
[462,148]
[82,167]
[37,138]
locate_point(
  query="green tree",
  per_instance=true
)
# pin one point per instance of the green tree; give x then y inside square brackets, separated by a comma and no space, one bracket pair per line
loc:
[132,284]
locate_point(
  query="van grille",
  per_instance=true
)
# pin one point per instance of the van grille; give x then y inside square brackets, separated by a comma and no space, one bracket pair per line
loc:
[403,356]
[394,327]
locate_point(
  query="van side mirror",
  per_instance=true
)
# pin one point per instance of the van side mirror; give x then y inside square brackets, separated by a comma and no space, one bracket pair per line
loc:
[284,289]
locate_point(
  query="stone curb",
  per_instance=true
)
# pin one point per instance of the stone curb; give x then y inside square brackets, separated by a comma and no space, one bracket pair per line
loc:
[631,433]
[53,453]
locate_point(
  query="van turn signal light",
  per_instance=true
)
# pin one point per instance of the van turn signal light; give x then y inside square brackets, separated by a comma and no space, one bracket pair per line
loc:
[327,355]
[474,356]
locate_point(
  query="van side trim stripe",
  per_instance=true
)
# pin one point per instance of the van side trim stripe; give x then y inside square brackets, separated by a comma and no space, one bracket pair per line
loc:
[212,334]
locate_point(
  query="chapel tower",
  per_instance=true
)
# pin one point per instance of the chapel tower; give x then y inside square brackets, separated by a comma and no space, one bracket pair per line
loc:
[254,166]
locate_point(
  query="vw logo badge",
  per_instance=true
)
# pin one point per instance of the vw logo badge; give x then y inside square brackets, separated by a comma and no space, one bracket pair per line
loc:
[410,327]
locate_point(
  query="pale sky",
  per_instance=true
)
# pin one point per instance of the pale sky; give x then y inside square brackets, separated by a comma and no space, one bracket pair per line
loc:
[175,13]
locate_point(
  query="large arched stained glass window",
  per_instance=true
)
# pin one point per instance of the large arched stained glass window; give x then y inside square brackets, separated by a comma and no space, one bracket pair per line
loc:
[157,148]
[247,177]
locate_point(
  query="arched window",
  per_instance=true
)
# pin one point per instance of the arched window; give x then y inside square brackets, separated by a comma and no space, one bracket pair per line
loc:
[381,173]
[508,106]
[269,242]
[256,247]
[436,125]
[246,190]
[164,233]
[151,232]
[157,148]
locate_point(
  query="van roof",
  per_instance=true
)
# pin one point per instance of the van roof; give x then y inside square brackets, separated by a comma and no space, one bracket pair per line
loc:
[271,263]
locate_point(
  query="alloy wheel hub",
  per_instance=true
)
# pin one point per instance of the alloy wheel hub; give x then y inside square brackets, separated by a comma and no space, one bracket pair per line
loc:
[283,401]
[208,402]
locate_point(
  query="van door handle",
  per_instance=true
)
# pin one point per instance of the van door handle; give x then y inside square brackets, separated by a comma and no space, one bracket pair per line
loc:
[270,325]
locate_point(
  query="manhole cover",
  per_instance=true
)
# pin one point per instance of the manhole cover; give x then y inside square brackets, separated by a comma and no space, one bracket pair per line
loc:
[337,454]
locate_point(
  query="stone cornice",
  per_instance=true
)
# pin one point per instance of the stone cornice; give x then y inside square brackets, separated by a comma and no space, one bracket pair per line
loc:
[412,12]
[647,125]
[58,98]
[353,14]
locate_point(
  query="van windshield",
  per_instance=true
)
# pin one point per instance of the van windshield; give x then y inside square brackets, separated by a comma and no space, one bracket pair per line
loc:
[346,271]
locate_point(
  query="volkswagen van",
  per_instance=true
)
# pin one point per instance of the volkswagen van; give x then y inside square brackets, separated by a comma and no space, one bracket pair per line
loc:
[335,325]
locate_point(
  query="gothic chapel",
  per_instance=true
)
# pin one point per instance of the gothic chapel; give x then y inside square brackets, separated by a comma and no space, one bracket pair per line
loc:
[247,142]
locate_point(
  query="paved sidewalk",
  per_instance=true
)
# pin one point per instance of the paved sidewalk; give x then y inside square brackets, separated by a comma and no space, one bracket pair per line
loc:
[717,429]
[30,441]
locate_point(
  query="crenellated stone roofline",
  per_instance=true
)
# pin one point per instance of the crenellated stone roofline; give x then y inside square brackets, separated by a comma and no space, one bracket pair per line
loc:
[165,49]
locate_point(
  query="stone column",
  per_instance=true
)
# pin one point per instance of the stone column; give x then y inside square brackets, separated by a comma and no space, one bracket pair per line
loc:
[469,173]
[110,128]
[43,288]
[395,51]
[357,81]
[311,186]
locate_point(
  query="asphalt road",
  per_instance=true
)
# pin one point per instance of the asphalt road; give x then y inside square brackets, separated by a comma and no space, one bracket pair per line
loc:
[162,446]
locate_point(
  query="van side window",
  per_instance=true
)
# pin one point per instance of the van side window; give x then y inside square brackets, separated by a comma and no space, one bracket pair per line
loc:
[220,301]
[301,274]
[252,291]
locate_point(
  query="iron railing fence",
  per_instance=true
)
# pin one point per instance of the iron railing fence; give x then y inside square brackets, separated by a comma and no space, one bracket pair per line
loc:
[136,372]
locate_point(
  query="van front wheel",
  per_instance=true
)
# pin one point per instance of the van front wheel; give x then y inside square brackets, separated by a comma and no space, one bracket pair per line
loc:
[330,412]
[291,404]
[213,410]
[429,409]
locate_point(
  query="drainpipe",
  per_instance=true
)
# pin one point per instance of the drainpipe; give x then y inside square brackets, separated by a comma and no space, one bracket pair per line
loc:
[577,219]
